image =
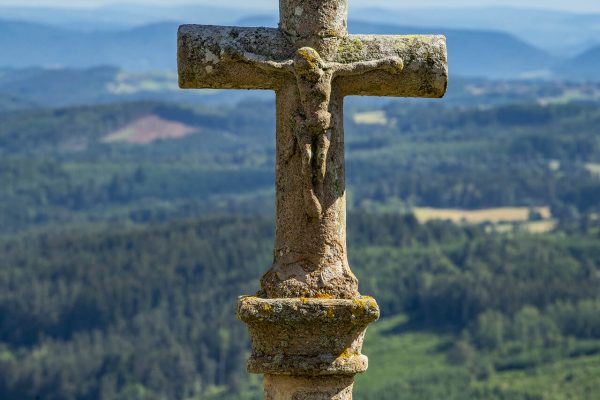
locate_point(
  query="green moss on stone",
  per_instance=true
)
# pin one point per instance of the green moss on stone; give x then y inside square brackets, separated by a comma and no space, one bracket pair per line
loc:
[351,50]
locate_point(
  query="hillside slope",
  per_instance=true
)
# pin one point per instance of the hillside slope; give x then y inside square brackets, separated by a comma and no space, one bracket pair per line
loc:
[24,44]
[478,53]
[584,67]
[122,313]
[472,53]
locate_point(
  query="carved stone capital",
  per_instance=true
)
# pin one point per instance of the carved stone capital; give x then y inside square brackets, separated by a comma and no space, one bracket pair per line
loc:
[307,337]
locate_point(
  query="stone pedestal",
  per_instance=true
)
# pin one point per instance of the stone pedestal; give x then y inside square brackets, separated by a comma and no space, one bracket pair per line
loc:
[278,387]
[307,348]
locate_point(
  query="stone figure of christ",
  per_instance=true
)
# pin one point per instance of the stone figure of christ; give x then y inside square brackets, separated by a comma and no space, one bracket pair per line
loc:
[312,123]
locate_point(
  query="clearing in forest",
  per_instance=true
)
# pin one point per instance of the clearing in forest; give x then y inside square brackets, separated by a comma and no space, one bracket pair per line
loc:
[149,129]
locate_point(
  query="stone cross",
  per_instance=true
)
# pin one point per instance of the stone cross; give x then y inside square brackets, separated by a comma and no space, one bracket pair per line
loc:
[308,322]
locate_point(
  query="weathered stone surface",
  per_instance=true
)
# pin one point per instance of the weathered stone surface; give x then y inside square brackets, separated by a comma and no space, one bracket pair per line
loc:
[425,72]
[204,62]
[308,325]
[310,250]
[307,336]
[314,23]
[279,387]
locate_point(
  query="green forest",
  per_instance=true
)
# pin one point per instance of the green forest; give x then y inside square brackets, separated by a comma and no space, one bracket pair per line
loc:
[59,168]
[149,312]
[123,249]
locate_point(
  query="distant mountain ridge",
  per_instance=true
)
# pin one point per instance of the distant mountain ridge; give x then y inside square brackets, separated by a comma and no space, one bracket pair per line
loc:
[122,16]
[585,67]
[472,53]
[559,32]
[150,47]
[488,54]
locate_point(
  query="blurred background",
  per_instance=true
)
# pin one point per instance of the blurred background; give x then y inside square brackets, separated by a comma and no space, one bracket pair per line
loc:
[132,213]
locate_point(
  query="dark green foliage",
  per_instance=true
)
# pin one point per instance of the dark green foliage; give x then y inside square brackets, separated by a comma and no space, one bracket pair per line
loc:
[57,168]
[96,306]
[442,157]
[581,319]
[99,313]
[449,386]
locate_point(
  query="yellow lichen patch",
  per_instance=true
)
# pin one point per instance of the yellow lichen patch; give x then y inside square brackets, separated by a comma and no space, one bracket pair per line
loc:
[362,304]
[347,353]
[351,50]
[310,56]
[267,308]
[244,299]
[304,300]
[360,307]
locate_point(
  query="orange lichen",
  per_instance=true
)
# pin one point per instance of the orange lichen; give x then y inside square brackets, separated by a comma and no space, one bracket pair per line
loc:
[324,296]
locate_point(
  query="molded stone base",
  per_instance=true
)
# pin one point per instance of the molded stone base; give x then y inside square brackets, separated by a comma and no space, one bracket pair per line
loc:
[307,337]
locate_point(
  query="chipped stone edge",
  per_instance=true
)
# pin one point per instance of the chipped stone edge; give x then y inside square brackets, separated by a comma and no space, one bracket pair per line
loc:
[308,366]
[252,309]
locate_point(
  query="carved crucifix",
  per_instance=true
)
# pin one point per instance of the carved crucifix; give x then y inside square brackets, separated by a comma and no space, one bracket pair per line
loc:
[312,125]
[311,62]
[308,323]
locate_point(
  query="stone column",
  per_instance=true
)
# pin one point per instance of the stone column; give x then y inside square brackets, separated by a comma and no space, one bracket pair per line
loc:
[278,387]
[307,348]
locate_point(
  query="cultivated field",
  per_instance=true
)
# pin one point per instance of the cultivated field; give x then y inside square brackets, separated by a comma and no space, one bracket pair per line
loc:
[594,169]
[505,219]
[493,215]
[370,118]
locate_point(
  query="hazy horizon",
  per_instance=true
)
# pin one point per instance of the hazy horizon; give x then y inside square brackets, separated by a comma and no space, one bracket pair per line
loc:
[580,6]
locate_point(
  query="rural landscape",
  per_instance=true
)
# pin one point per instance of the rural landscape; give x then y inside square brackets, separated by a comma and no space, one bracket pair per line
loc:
[133,213]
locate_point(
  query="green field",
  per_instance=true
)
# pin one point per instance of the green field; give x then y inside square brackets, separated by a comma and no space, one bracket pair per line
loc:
[415,361]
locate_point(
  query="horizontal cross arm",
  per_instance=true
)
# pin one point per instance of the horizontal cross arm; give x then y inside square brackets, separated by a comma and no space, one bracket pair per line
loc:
[216,57]
[424,72]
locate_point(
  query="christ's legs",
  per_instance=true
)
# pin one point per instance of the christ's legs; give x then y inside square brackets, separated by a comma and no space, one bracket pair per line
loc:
[306,147]
[322,143]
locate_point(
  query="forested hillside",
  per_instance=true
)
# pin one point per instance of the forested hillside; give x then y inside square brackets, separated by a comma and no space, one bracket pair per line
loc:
[143,162]
[113,313]
[129,228]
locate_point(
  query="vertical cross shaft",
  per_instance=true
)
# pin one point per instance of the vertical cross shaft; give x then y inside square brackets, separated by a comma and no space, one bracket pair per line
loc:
[310,251]
[310,257]
[314,23]
[308,323]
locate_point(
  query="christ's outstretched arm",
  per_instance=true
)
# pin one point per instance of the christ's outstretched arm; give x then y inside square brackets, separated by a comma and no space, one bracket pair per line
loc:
[257,60]
[392,65]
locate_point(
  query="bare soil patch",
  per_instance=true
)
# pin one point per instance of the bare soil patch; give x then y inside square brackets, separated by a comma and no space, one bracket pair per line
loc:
[149,129]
